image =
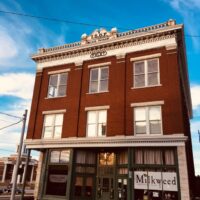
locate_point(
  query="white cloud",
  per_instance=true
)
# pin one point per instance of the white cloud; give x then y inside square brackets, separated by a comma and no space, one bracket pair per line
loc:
[17,84]
[195,93]
[189,10]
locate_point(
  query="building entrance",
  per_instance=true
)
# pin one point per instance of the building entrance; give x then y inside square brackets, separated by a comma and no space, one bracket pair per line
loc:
[105,176]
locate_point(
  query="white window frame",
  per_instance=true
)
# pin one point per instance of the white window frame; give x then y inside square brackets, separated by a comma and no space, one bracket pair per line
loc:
[146,73]
[58,84]
[53,126]
[99,79]
[147,108]
[96,123]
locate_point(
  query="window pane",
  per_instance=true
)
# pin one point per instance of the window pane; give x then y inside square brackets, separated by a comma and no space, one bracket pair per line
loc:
[63,79]
[123,158]
[56,183]
[88,186]
[57,132]
[139,68]
[169,157]
[103,85]
[92,117]
[154,113]
[104,73]
[80,157]
[52,92]
[102,116]
[153,79]
[140,127]
[59,119]
[49,120]
[152,65]
[101,129]
[48,130]
[91,158]
[78,186]
[155,127]
[94,75]
[62,90]
[139,80]
[55,156]
[64,156]
[91,130]
[53,80]
[94,86]
[140,114]
[138,156]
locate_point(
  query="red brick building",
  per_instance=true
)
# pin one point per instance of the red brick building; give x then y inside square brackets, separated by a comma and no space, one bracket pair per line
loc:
[110,116]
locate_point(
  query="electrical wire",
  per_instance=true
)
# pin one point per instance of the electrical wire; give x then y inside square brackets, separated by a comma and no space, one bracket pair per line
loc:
[11,124]
[59,20]
[73,22]
[10,115]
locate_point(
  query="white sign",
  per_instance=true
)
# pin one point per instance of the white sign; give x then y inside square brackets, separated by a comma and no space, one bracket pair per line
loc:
[57,178]
[166,181]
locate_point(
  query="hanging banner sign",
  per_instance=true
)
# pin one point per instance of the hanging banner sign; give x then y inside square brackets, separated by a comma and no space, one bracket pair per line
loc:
[58,178]
[166,181]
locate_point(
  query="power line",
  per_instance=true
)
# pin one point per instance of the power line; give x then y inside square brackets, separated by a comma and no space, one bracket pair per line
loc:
[59,20]
[11,124]
[10,115]
[73,22]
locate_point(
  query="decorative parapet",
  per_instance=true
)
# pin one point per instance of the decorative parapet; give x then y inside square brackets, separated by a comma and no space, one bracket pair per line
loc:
[102,35]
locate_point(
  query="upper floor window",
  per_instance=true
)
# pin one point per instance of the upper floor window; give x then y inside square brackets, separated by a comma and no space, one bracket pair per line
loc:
[57,85]
[53,126]
[146,73]
[147,120]
[98,80]
[96,123]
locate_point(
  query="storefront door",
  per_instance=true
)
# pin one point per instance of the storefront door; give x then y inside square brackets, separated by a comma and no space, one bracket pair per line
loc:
[105,188]
[105,176]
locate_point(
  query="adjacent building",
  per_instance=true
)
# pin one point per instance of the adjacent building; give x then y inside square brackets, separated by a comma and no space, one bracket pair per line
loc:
[110,116]
[8,166]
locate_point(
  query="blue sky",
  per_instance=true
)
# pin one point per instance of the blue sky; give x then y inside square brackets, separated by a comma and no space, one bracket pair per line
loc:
[22,36]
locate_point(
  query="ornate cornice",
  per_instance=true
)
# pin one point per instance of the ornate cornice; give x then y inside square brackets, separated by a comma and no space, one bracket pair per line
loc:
[115,141]
[105,47]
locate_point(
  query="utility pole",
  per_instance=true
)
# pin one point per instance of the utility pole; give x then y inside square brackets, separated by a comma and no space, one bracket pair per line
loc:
[199,135]
[12,197]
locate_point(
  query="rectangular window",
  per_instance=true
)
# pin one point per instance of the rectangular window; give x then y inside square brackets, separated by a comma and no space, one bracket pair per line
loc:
[146,73]
[57,172]
[147,120]
[98,80]
[154,156]
[96,123]
[53,126]
[57,85]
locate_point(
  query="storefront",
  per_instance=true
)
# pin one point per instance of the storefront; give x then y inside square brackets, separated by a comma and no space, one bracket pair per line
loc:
[110,173]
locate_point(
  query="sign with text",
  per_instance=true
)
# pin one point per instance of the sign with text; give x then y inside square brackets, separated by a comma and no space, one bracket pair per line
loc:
[166,181]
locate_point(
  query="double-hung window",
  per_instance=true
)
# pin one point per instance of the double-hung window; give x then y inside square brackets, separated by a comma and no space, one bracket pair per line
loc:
[57,85]
[98,80]
[53,126]
[146,73]
[147,120]
[96,123]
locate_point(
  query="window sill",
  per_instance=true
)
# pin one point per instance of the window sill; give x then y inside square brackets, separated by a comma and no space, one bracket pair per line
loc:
[147,135]
[146,86]
[97,92]
[55,97]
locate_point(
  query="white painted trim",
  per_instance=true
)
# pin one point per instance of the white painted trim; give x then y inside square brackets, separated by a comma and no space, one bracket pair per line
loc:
[150,103]
[53,111]
[59,71]
[143,87]
[124,49]
[106,107]
[99,64]
[145,57]
[115,141]
[120,56]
